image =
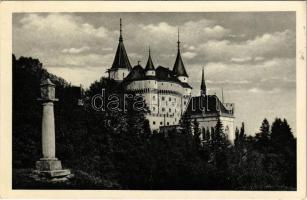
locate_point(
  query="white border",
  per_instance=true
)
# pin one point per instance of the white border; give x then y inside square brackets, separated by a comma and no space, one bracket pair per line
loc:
[6,10]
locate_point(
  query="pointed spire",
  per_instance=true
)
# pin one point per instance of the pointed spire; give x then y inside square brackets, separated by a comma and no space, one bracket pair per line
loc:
[149,65]
[120,30]
[179,69]
[121,59]
[203,87]
[222,96]
[178,41]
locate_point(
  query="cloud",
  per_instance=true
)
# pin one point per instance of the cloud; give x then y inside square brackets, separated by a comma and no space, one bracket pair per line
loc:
[54,32]
[76,50]
[216,31]
[188,55]
[75,42]
[277,44]
[242,59]
[259,90]
[264,75]
[258,58]
[61,25]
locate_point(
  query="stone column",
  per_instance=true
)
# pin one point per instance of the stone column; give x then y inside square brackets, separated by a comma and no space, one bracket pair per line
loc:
[49,166]
[48,131]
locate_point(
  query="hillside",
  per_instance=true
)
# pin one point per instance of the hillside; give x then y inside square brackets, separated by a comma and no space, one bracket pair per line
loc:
[113,150]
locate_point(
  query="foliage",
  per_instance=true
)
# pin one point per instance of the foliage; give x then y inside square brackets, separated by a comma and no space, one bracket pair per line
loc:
[116,150]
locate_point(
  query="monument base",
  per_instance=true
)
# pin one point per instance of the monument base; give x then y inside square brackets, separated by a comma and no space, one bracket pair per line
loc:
[52,176]
[51,169]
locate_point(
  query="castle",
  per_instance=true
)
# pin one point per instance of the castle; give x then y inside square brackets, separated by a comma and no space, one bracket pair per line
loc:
[167,93]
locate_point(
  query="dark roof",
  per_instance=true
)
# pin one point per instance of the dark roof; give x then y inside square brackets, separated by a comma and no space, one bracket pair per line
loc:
[121,59]
[179,69]
[162,74]
[209,104]
[203,83]
[136,73]
[149,65]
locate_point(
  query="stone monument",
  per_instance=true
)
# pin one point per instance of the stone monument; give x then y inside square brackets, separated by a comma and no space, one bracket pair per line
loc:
[49,167]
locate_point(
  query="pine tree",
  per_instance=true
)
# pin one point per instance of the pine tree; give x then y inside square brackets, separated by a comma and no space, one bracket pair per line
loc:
[237,139]
[281,134]
[185,124]
[263,138]
[219,132]
[196,132]
[146,128]
[212,136]
[196,127]
[242,134]
[203,133]
[207,138]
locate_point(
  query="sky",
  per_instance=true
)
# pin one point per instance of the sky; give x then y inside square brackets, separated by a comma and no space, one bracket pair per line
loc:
[248,55]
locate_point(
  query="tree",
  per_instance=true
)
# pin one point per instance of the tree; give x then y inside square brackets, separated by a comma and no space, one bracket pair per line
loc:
[146,127]
[207,135]
[185,124]
[242,134]
[263,138]
[237,139]
[212,136]
[219,135]
[197,132]
[281,134]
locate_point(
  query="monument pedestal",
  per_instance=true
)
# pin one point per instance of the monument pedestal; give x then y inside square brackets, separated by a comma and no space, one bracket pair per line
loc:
[51,168]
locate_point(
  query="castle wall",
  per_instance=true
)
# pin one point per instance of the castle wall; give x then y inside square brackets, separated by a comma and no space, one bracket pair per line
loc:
[166,101]
[210,122]
[119,74]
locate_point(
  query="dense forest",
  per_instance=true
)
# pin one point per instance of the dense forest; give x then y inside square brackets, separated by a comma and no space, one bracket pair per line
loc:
[116,150]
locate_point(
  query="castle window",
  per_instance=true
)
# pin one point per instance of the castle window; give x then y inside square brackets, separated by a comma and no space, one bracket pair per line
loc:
[154,108]
[163,109]
[153,122]
[170,110]
[167,123]
[160,123]
[163,98]
[170,99]
[153,97]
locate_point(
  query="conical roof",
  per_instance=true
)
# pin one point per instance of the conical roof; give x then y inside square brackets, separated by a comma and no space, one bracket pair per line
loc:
[179,69]
[121,59]
[149,65]
[203,83]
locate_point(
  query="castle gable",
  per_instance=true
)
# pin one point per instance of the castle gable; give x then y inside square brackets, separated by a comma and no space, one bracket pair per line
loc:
[207,105]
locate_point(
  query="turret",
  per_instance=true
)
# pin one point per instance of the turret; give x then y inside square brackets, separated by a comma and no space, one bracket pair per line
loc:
[150,68]
[121,64]
[203,88]
[179,69]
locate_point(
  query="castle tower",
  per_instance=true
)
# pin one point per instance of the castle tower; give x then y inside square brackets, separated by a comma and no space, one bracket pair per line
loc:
[203,88]
[179,69]
[150,68]
[121,64]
